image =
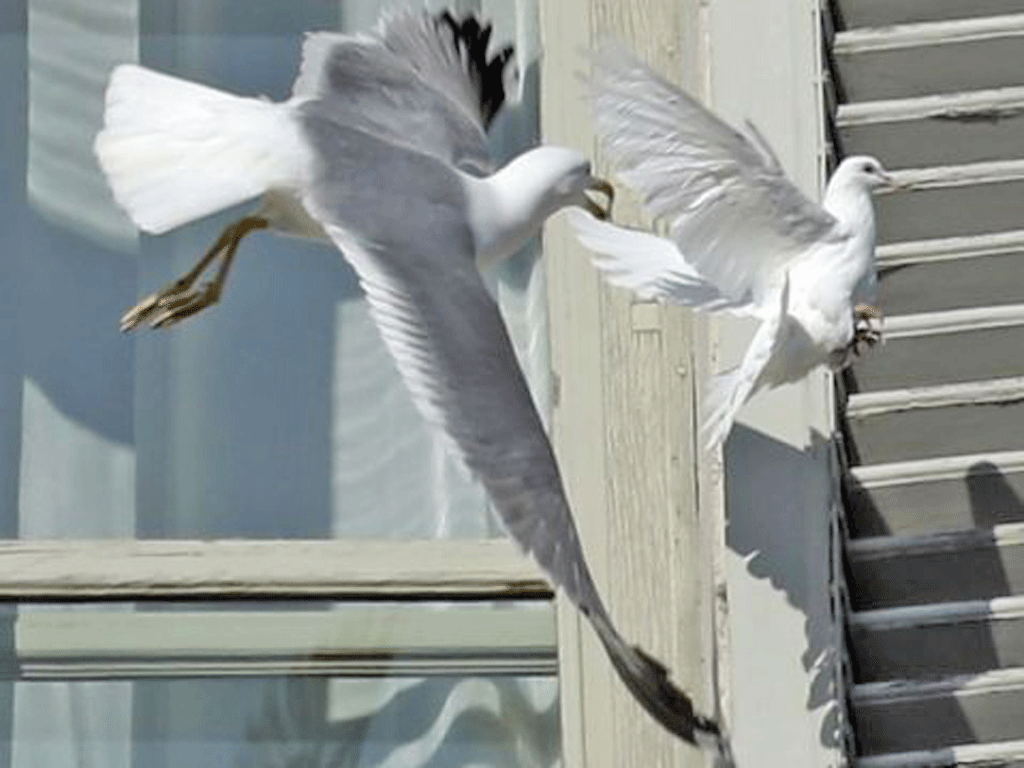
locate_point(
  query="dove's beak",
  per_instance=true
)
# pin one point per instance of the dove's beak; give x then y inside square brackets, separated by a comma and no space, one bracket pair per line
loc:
[601,187]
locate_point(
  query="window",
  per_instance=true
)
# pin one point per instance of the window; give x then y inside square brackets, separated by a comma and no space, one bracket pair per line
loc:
[352,616]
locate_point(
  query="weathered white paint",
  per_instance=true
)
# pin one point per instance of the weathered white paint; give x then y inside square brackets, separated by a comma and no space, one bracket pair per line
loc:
[970,174]
[995,753]
[941,468]
[959,685]
[623,423]
[944,32]
[991,102]
[953,321]
[186,570]
[999,608]
[886,547]
[778,487]
[1006,390]
[355,640]
[944,249]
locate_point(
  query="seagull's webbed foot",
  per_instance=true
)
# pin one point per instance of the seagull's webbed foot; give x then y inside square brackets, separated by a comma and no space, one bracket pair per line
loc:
[177,301]
[172,311]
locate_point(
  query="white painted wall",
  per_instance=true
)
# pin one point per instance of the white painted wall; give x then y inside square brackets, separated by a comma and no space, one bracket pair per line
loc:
[780,643]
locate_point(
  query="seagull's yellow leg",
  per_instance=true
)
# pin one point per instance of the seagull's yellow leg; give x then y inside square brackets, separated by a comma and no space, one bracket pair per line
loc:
[176,301]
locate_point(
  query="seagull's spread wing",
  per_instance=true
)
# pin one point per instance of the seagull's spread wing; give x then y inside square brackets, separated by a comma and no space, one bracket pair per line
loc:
[399,218]
[731,211]
[421,80]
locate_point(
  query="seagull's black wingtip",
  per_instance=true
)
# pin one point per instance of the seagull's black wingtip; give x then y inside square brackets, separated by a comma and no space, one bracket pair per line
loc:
[647,679]
[471,40]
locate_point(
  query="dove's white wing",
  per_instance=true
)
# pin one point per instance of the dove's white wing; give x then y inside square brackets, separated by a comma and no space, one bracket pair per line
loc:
[730,209]
[649,266]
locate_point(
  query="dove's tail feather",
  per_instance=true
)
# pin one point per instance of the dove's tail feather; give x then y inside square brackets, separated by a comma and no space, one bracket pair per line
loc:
[722,403]
[644,263]
[731,389]
[174,151]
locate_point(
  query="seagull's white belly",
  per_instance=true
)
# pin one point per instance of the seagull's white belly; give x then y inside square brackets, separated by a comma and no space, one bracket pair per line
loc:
[288,215]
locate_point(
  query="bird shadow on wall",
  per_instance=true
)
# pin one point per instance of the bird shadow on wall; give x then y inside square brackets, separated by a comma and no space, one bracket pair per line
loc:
[779,522]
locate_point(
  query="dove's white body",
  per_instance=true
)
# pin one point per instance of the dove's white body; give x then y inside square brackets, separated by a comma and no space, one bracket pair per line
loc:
[742,238]
[824,285]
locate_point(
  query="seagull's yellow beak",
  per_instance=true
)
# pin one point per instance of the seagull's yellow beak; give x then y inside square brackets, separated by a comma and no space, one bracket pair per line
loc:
[893,184]
[601,187]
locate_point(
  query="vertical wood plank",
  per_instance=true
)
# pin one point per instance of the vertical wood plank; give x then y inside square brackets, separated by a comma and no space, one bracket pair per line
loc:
[623,422]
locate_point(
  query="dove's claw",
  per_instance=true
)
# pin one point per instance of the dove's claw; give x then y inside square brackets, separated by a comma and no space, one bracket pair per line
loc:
[865,333]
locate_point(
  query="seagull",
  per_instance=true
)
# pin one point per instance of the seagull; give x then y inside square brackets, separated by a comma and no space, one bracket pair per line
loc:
[741,238]
[381,151]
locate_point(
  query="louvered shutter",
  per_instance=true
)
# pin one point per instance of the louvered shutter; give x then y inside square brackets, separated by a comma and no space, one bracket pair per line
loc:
[934,419]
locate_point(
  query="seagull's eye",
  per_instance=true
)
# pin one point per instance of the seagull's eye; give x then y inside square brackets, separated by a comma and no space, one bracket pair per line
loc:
[868,168]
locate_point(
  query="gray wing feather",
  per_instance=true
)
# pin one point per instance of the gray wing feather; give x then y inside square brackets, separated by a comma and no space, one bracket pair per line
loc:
[411,82]
[730,208]
[407,239]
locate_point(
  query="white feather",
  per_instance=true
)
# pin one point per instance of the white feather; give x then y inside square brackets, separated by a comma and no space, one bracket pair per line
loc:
[174,151]
[646,264]
[737,226]
[731,389]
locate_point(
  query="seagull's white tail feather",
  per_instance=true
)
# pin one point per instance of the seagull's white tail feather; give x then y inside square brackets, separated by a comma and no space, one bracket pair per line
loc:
[644,263]
[174,151]
[731,389]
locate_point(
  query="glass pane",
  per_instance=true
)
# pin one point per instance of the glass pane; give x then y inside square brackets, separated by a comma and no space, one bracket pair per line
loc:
[277,413]
[297,721]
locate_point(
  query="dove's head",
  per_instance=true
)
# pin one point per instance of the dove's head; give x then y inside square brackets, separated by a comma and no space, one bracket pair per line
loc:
[863,172]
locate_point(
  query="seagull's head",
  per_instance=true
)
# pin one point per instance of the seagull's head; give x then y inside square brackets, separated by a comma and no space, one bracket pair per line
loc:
[864,172]
[570,180]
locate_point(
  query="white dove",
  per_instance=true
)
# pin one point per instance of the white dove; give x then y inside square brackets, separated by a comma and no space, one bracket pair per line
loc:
[741,237]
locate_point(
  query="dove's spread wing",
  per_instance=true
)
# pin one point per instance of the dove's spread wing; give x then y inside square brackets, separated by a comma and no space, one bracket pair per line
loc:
[731,211]
[649,266]
[423,81]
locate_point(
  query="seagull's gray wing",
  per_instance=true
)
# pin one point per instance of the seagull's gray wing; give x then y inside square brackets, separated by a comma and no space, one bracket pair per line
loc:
[731,211]
[422,80]
[451,55]
[399,218]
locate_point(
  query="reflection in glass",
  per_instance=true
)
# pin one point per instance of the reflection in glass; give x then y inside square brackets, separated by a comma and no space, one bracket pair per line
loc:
[186,687]
[295,721]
